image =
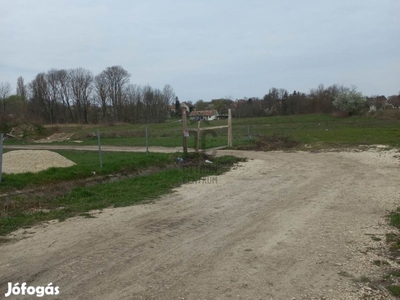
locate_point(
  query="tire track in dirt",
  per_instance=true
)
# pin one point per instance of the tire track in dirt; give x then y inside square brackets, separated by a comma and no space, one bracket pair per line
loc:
[279,226]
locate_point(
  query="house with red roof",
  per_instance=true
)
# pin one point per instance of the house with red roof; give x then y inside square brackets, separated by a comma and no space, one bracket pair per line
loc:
[208,115]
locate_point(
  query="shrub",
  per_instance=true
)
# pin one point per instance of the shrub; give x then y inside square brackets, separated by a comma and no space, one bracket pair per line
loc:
[350,101]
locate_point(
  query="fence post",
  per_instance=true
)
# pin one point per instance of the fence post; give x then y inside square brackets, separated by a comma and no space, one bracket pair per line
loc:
[248,132]
[98,141]
[230,143]
[185,131]
[198,137]
[147,142]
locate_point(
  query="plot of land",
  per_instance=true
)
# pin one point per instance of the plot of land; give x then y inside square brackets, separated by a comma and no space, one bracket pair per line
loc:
[280,226]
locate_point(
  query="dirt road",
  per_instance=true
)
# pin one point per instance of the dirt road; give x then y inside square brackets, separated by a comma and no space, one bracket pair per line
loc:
[96,148]
[280,226]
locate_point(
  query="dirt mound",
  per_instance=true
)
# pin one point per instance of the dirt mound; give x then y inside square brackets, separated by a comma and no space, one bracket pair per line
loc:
[22,161]
[56,137]
[26,131]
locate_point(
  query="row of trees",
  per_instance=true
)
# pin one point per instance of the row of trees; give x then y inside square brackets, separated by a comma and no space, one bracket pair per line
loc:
[76,95]
[320,100]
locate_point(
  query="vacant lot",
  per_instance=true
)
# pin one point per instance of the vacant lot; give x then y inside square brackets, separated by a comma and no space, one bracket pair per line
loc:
[316,131]
[280,226]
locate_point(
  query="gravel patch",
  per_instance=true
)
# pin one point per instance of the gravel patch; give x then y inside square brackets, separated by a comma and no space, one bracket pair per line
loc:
[22,161]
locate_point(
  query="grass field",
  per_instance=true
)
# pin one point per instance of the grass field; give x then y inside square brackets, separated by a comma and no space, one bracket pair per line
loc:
[310,131]
[314,130]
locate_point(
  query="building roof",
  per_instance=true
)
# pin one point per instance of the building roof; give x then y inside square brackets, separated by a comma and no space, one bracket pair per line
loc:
[203,113]
[187,104]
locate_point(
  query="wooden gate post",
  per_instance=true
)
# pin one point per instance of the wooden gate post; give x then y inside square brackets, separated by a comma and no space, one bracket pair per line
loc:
[185,131]
[230,128]
[198,137]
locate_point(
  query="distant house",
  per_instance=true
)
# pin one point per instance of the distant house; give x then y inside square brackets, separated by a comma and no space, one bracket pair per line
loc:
[208,115]
[189,107]
[171,111]
[171,108]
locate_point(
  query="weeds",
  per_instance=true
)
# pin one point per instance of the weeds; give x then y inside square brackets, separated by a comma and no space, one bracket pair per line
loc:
[271,143]
[394,218]
[380,262]
[394,290]
[391,278]
[364,279]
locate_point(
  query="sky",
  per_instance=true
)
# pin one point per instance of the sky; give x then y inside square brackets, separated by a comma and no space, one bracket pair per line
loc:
[209,49]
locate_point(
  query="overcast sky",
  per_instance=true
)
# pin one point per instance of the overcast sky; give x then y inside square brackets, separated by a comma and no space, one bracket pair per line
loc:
[209,49]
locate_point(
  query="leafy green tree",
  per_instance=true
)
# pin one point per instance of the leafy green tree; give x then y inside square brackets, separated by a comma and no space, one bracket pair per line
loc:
[201,105]
[350,101]
[221,105]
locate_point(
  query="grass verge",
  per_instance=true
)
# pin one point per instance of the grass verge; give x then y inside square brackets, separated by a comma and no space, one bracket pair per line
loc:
[25,212]
[87,166]
[391,275]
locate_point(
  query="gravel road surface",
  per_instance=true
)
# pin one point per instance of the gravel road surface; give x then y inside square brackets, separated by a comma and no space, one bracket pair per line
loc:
[279,226]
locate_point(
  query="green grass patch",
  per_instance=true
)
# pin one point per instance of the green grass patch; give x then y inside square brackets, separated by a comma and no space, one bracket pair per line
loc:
[394,218]
[124,192]
[375,238]
[314,130]
[391,276]
[87,165]
[270,143]
[394,290]
[380,262]
[393,239]
[395,273]
[363,279]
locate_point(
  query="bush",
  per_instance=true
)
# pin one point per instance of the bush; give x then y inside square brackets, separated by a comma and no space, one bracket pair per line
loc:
[350,101]
[387,114]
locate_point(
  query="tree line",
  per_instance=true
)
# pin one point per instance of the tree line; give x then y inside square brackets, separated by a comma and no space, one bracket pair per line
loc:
[321,100]
[78,96]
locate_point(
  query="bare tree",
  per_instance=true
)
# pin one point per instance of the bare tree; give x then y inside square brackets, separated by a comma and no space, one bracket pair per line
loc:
[169,94]
[41,101]
[64,94]
[102,91]
[134,106]
[394,100]
[75,95]
[5,90]
[321,98]
[21,88]
[273,100]
[81,82]
[58,93]
[117,78]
